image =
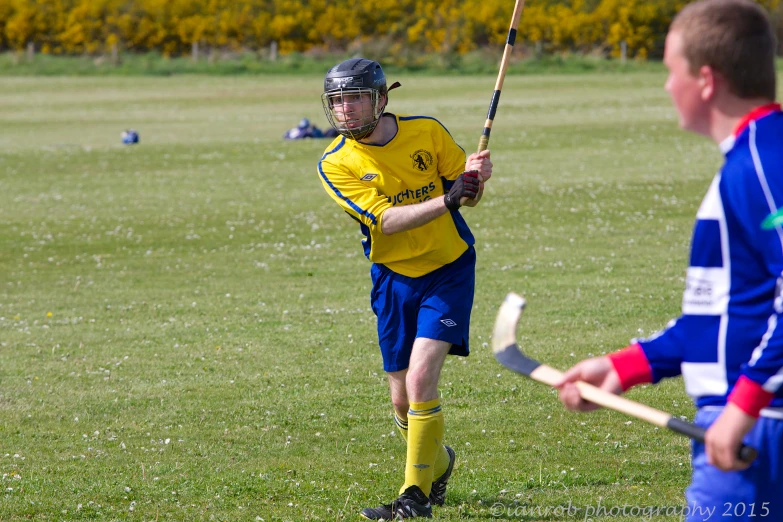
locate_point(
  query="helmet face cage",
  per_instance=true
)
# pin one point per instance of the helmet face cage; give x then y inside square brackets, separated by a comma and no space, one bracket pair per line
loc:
[353,112]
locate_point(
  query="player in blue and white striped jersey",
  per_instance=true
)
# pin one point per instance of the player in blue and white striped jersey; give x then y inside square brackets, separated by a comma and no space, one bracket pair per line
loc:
[728,342]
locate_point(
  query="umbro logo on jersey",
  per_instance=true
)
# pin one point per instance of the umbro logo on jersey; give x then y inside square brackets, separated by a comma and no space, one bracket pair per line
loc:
[369,177]
[773,220]
[448,322]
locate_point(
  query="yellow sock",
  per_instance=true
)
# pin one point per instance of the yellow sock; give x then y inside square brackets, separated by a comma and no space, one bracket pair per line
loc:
[402,425]
[441,461]
[425,441]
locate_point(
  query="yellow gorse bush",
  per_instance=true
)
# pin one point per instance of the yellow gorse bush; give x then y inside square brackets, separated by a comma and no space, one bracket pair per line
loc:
[173,27]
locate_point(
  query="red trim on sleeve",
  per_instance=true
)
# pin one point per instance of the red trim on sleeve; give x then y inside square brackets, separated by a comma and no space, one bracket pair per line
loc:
[755,114]
[632,366]
[750,397]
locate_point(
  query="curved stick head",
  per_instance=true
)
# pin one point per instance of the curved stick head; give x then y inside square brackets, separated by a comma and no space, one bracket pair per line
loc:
[504,337]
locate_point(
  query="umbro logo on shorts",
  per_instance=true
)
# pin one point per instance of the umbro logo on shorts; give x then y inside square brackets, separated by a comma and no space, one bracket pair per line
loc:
[369,177]
[448,322]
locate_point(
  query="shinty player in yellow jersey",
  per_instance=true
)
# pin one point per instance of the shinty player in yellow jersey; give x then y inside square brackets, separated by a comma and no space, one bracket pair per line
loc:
[404,178]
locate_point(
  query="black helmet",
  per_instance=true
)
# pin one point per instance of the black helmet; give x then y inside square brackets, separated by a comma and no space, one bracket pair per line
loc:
[350,86]
[356,73]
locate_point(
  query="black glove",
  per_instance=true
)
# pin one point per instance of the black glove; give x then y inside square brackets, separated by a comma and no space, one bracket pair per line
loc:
[466,186]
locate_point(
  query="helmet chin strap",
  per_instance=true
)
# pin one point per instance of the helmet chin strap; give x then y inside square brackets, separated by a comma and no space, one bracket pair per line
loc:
[368,132]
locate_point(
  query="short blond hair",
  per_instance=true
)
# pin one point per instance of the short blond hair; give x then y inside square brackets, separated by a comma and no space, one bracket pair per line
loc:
[733,37]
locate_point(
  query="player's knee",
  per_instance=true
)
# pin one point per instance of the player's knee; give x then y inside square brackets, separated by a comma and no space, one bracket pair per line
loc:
[421,386]
[401,407]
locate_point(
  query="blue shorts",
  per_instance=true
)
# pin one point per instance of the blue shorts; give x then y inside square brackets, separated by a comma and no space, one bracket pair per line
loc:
[753,494]
[433,306]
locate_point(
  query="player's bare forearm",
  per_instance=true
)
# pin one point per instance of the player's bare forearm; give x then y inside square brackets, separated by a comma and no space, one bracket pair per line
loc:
[408,217]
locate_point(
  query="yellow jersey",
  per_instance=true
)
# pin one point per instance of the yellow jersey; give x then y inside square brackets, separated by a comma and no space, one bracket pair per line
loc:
[419,163]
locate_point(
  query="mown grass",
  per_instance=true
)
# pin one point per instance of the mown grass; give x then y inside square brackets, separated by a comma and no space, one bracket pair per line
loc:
[485,62]
[479,62]
[185,331]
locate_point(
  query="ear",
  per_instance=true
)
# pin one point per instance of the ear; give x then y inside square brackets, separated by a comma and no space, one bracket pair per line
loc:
[383,99]
[708,82]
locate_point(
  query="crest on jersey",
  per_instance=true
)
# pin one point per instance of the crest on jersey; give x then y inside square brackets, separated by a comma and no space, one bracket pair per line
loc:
[775,219]
[422,160]
[369,177]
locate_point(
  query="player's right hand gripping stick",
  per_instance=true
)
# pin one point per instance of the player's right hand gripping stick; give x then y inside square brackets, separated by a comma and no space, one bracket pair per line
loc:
[466,186]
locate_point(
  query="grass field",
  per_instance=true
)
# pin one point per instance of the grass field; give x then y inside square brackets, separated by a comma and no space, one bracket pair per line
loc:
[185,331]
[481,61]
